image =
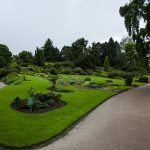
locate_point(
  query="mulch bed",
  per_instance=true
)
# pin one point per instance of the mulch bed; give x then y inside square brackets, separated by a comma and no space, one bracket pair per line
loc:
[57,105]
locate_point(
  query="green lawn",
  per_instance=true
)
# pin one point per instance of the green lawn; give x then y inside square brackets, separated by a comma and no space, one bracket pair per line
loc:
[20,129]
[97,79]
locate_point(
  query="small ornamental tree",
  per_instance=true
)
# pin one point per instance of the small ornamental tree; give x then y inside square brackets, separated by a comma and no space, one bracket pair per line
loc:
[128,78]
[53,79]
[106,64]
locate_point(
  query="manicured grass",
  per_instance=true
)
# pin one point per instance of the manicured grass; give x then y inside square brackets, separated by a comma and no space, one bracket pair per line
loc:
[20,129]
[98,79]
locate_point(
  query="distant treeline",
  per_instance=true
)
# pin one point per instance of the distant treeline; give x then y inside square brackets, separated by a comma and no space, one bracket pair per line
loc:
[78,53]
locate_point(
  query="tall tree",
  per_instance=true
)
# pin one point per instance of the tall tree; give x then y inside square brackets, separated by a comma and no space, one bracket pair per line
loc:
[97,54]
[134,13]
[66,53]
[5,55]
[39,57]
[111,49]
[88,60]
[79,48]
[25,57]
[92,56]
[133,59]
[124,41]
[48,46]
[114,52]
[51,53]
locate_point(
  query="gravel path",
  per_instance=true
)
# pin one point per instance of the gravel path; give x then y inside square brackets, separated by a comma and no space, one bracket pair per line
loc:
[121,123]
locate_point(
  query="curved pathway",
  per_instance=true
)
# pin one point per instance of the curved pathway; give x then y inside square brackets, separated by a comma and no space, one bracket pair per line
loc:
[121,123]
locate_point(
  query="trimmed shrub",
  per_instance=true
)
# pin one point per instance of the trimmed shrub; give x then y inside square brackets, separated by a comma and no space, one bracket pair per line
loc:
[87,79]
[128,78]
[144,79]
[49,65]
[78,70]
[88,72]
[32,68]
[109,81]
[111,75]
[116,74]
[67,71]
[58,65]
[54,71]
[128,81]
[104,75]
[86,84]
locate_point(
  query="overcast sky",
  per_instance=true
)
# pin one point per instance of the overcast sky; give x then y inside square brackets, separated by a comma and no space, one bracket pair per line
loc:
[26,24]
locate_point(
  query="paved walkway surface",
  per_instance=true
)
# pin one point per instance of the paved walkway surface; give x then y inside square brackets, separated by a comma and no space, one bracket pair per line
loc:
[2,85]
[121,123]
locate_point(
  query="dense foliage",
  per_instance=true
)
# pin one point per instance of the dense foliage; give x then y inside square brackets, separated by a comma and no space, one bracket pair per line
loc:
[5,55]
[51,53]
[92,56]
[134,13]
[25,57]
[106,63]
[78,54]
[39,57]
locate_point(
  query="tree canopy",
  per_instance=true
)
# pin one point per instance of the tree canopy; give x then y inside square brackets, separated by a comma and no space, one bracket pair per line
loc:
[39,57]
[5,55]
[79,53]
[51,53]
[136,13]
[85,56]
[25,57]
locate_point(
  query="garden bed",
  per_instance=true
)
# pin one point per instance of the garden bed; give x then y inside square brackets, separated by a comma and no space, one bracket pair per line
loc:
[39,110]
